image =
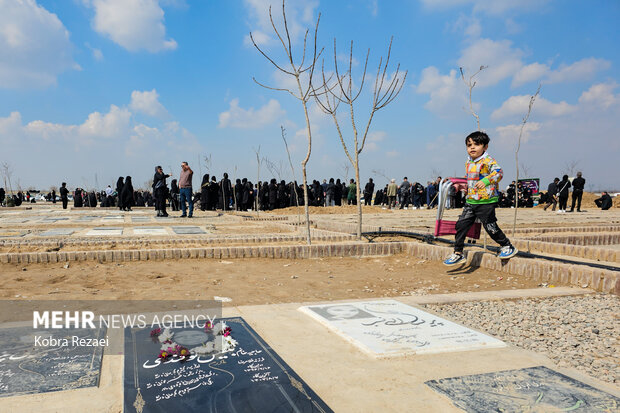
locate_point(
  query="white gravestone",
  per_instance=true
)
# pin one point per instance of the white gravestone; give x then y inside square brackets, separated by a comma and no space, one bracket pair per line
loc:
[106,231]
[150,231]
[390,328]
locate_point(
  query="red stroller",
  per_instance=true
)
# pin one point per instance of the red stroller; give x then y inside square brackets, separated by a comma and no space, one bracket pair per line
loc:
[445,227]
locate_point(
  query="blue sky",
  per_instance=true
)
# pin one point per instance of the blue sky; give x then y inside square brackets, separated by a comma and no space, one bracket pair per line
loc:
[95,89]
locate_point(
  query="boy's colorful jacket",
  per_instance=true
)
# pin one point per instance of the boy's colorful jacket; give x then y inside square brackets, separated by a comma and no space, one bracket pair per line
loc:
[487,170]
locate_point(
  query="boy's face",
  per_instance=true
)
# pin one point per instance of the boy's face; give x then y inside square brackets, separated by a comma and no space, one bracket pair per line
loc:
[475,150]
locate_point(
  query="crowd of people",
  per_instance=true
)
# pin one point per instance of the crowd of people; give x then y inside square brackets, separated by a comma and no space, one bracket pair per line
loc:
[243,195]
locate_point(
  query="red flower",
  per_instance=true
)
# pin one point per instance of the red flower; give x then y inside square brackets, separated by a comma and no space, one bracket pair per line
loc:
[164,355]
[182,352]
[208,326]
[155,332]
[226,332]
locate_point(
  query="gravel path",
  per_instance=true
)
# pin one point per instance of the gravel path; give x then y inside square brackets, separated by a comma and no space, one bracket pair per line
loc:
[582,332]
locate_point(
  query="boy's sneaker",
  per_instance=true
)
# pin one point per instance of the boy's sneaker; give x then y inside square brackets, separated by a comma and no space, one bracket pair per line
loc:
[454,259]
[507,252]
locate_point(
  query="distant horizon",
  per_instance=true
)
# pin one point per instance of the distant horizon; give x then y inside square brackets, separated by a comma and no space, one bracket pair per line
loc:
[90,91]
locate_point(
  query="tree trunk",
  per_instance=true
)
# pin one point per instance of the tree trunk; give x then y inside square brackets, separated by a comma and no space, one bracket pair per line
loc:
[359,198]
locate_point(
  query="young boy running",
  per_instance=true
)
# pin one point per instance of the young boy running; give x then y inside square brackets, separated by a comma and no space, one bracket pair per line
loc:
[483,176]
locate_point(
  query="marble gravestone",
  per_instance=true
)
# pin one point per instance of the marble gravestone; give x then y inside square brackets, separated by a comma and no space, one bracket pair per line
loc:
[251,378]
[140,219]
[105,231]
[58,231]
[390,328]
[150,231]
[26,368]
[188,230]
[534,389]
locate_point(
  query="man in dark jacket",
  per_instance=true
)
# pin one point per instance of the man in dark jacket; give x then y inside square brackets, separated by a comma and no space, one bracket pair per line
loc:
[578,184]
[552,191]
[64,195]
[604,202]
[369,189]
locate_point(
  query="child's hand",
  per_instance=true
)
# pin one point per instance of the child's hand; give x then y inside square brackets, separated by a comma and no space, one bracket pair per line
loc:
[480,185]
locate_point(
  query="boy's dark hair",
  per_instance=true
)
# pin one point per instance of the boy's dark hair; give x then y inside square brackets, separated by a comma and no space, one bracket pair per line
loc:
[478,137]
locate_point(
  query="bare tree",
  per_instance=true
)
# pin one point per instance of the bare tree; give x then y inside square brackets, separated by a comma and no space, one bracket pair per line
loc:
[7,173]
[525,118]
[571,167]
[471,83]
[208,162]
[381,172]
[276,169]
[329,97]
[303,93]
[527,171]
[290,162]
[344,170]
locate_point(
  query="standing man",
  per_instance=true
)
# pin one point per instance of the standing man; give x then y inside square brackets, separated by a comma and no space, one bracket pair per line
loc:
[578,184]
[369,190]
[64,195]
[404,191]
[392,189]
[185,190]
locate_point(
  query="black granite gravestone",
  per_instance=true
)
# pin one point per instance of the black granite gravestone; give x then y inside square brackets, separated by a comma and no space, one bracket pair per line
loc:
[30,365]
[252,378]
[535,389]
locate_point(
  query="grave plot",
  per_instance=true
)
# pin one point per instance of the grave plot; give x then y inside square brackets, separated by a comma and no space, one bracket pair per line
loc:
[150,231]
[58,232]
[248,377]
[105,231]
[141,219]
[54,219]
[28,368]
[87,218]
[391,328]
[535,389]
[11,233]
[188,230]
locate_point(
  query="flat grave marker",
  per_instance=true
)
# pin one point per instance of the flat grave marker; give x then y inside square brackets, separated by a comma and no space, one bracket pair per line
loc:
[105,231]
[141,219]
[11,233]
[150,231]
[188,230]
[250,378]
[390,328]
[58,231]
[26,369]
[534,389]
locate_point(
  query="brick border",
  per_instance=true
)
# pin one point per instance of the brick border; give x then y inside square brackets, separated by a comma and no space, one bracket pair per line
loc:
[577,251]
[567,274]
[274,251]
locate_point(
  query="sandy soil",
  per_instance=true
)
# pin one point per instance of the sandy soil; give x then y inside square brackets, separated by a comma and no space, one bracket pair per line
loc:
[250,281]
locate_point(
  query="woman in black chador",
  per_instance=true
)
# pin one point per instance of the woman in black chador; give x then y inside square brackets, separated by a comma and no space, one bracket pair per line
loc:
[204,193]
[127,195]
[174,195]
[119,190]
[237,194]
[214,194]
[160,191]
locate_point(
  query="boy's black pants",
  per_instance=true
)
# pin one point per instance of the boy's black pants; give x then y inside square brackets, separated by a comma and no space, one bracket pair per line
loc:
[486,214]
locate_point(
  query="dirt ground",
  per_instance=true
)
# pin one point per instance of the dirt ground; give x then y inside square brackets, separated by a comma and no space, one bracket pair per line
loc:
[250,281]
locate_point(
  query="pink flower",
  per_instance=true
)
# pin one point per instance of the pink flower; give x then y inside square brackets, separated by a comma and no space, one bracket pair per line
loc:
[155,332]
[164,355]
